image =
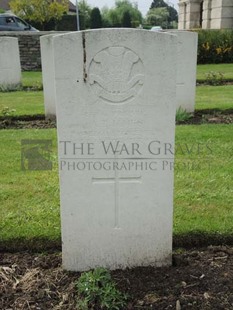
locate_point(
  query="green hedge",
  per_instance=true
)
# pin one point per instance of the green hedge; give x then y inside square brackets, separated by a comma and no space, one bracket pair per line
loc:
[66,23]
[215,46]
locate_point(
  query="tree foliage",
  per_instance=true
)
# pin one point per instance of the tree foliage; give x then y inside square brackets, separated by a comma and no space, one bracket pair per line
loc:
[114,17]
[39,11]
[126,20]
[172,13]
[95,19]
[84,14]
[158,4]
[158,17]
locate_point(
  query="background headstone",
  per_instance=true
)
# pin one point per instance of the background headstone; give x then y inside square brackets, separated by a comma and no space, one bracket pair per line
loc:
[10,69]
[186,69]
[47,63]
[116,86]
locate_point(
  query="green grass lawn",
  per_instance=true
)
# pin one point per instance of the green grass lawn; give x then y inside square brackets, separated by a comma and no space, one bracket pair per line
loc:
[226,69]
[214,97]
[203,194]
[204,182]
[35,78]
[32,78]
[23,102]
[29,199]
[31,102]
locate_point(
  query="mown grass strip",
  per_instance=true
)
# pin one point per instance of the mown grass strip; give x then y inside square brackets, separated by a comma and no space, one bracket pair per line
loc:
[31,103]
[32,79]
[225,69]
[214,97]
[202,199]
[21,103]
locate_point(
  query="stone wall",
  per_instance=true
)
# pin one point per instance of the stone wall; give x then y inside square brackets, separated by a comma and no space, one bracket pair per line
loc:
[205,14]
[29,46]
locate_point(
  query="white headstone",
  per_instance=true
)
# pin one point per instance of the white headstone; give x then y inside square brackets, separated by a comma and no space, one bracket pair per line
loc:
[10,68]
[47,63]
[186,69]
[116,87]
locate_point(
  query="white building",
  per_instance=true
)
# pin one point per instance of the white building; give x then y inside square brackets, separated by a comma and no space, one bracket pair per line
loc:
[206,14]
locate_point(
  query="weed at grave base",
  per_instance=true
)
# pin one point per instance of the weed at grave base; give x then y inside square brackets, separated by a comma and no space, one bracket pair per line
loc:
[214,78]
[6,111]
[182,115]
[96,290]
[10,87]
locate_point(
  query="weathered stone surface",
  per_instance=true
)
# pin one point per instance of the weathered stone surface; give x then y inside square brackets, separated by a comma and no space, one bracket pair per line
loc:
[10,70]
[115,96]
[47,60]
[186,70]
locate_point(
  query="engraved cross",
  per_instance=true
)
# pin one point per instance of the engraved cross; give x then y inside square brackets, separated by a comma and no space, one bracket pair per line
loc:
[116,180]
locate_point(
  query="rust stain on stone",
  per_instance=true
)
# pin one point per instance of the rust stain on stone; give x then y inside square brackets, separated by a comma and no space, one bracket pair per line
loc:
[84,58]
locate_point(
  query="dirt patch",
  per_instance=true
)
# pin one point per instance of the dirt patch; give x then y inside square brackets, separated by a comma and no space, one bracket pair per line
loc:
[26,122]
[209,117]
[224,82]
[39,121]
[198,279]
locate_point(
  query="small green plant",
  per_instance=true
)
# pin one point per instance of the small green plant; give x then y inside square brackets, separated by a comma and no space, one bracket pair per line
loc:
[7,111]
[4,88]
[96,290]
[214,78]
[182,115]
[35,86]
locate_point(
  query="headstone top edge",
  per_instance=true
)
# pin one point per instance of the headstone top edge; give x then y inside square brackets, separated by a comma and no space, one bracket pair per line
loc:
[46,36]
[116,30]
[190,33]
[7,38]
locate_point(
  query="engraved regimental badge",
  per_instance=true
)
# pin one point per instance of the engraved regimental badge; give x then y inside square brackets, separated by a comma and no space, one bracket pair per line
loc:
[116,75]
